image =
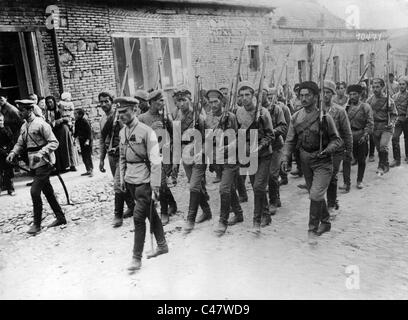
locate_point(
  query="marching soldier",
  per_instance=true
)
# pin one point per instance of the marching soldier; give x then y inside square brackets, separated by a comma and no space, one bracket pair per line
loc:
[401,126]
[140,169]
[195,171]
[280,129]
[246,118]
[156,119]
[221,122]
[37,138]
[109,144]
[361,121]
[304,131]
[339,116]
[340,98]
[385,115]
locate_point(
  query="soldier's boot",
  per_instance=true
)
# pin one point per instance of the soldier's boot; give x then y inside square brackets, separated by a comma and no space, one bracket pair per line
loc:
[236,208]
[205,207]
[130,205]
[386,162]
[192,211]
[237,218]
[395,163]
[172,203]
[260,202]
[266,220]
[59,220]
[224,214]
[278,200]
[135,264]
[331,196]
[325,224]
[36,227]
[314,213]
[164,214]
[118,213]
[273,205]
[161,249]
[396,152]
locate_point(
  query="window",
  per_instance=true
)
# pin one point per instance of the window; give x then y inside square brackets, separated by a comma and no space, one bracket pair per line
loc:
[254,61]
[361,64]
[336,69]
[137,62]
[302,70]
[371,69]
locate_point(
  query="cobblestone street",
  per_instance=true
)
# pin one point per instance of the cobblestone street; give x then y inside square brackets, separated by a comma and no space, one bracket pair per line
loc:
[88,258]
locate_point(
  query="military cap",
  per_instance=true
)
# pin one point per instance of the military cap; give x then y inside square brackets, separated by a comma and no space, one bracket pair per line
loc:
[328,84]
[25,103]
[403,78]
[142,95]
[155,95]
[214,93]
[381,81]
[311,85]
[272,91]
[182,91]
[354,88]
[224,86]
[246,84]
[124,102]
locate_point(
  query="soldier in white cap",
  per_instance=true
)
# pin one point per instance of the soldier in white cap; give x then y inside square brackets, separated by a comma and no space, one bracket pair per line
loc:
[37,138]
[140,173]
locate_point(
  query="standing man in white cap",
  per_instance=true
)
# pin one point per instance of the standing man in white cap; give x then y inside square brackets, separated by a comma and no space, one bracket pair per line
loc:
[401,126]
[339,116]
[140,171]
[40,142]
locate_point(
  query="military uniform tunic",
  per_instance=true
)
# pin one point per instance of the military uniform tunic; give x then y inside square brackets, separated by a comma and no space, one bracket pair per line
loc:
[401,126]
[361,122]
[140,169]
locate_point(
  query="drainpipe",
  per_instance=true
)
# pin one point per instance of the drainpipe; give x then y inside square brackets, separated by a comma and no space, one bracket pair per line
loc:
[57,60]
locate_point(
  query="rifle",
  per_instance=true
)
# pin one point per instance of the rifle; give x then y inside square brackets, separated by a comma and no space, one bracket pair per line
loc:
[281,72]
[260,91]
[327,61]
[387,88]
[122,87]
[166,116]
[232,101]
[196,102]
[321,99]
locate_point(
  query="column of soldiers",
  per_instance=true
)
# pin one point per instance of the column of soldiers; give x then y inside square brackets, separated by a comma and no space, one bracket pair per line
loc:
[137,136]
